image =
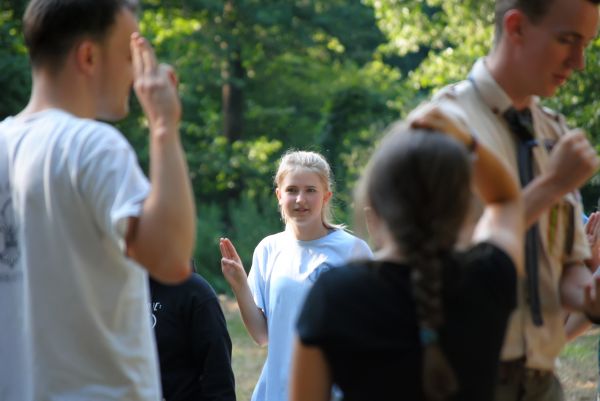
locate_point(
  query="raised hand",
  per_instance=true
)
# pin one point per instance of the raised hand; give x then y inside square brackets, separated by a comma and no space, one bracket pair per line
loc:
[433,117]
[231,265]
[592,231]
[156,88]
[572,162]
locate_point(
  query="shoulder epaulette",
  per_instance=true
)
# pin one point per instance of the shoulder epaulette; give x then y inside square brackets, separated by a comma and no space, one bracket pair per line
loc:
[451,91]
[554,115]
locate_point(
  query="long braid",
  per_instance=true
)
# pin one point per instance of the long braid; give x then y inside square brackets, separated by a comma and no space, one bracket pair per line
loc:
[439,380]
[418,184]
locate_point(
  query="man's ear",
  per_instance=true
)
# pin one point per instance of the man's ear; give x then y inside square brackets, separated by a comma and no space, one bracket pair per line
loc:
[87,57]
[514,23]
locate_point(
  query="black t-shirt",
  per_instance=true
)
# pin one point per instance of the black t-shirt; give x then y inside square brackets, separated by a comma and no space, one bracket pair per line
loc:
[194,347]
[363,318]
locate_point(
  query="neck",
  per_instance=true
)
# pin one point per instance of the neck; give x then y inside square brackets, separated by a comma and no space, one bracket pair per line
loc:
[63,90]
[505,72]
[307,233]
[388,254]
[388,249]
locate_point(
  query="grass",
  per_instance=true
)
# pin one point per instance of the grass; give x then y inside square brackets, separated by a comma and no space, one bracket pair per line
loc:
[578,367]
[247,357]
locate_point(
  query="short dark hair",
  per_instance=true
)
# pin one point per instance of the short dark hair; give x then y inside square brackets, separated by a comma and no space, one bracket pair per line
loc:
[52,27]
[535,10]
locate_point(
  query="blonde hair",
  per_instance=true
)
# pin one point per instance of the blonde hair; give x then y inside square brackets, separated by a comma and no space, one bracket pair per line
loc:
[295,160]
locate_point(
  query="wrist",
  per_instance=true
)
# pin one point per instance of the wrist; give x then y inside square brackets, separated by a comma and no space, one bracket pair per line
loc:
[547,187]
[592,318]
[241,289]
[164,132]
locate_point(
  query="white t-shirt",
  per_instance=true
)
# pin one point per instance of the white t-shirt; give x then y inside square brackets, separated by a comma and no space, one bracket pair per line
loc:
[75,183]
[283,270]
[15,339]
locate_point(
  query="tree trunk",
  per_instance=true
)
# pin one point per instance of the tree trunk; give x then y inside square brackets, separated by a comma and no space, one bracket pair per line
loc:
[232,97]
[233,74]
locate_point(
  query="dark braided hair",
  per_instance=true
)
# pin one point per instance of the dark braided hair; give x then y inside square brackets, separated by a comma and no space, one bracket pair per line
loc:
[418,184]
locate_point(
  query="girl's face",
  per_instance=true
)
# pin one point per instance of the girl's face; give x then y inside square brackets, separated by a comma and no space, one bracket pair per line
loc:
[301,197]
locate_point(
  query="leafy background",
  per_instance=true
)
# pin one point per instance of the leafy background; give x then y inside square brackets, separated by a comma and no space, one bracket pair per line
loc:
[259,77]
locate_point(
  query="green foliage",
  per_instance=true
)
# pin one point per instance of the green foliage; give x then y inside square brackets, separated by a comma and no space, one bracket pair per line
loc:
[15,79]
[324,75]
[252,219]
[207,254]
[446,37]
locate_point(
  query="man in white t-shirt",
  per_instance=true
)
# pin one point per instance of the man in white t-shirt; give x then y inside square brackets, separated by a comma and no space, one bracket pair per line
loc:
[90,227]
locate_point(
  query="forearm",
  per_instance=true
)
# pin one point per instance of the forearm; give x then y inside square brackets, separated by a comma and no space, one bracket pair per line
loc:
[493,181]
[574,279]
[311,376]
[164,237]
[253,318]
[538,197]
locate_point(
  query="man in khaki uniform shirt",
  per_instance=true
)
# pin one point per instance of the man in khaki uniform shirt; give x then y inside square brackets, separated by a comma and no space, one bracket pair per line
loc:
[539,43]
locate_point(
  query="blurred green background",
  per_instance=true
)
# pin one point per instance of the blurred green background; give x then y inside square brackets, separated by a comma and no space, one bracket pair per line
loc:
[259,77]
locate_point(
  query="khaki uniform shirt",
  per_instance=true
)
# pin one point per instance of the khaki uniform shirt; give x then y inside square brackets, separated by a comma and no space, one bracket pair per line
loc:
[480,103]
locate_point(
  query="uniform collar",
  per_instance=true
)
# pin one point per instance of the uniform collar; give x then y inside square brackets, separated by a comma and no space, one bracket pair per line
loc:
[490,92]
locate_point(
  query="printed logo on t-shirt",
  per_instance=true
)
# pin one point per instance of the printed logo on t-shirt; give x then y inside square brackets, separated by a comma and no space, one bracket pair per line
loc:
[9,245]
[322,268]
[154,307]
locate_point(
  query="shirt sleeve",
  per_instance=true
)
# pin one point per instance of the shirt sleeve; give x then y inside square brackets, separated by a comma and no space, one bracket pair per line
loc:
[495,271]
[576,230]
[256,276]
[211,347]
[112,183]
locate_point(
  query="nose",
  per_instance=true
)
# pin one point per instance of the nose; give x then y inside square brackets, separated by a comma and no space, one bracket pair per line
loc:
[300,197]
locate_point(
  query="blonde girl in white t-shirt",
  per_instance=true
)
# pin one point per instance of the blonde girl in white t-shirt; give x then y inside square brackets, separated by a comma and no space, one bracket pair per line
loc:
[286,264]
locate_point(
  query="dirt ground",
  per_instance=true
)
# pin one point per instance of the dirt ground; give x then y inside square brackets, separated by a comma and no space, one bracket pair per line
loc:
[577,365]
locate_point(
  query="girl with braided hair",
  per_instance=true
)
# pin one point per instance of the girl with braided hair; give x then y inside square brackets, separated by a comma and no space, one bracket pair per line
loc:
[423,321]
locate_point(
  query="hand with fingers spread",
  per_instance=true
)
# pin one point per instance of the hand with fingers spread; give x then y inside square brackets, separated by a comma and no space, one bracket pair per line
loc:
[572,162]
[231,265]
[591,300]
[592,230]
[156,88]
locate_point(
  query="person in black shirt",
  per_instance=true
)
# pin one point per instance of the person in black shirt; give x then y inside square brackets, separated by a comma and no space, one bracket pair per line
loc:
[422,321]
[194,347]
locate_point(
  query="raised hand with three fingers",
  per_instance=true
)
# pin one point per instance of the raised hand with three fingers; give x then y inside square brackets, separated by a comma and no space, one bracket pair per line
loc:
[231,265]
[155,86]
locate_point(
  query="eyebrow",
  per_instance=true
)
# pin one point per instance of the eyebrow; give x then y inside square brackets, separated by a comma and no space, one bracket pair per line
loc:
[297,186]
[576,35]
